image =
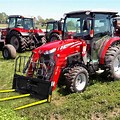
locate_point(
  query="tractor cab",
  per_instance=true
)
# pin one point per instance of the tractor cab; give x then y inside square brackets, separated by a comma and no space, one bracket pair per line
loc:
[88,24]
[92,26]
[54,30]
[17,21]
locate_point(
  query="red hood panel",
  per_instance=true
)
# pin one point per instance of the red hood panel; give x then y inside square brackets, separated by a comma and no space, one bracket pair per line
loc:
[61,44]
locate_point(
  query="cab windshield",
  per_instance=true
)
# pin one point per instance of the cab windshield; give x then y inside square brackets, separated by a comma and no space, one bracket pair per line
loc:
[75,25]
[80,25]
[28,23]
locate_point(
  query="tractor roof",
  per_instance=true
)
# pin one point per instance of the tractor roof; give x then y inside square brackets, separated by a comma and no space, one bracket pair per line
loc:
[90,11]
[19,16]
[52,21]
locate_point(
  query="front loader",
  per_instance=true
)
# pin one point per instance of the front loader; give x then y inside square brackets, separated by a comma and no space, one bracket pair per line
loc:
[91,47]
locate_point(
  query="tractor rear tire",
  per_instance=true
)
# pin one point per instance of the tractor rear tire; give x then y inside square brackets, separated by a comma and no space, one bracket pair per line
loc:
[54,37]
[77,79]
[9,52]
[112,63]
[17,41]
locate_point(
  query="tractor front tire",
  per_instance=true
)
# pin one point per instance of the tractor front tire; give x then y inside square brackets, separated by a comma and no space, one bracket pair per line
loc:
[54,37]
[112,63]
[9,52]
[77,79]
[17,41]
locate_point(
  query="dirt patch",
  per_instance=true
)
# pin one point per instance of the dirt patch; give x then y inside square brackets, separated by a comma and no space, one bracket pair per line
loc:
[111,114]
[56,117]
[58,100]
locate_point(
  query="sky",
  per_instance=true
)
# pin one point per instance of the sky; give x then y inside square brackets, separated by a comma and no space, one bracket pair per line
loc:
[55,8]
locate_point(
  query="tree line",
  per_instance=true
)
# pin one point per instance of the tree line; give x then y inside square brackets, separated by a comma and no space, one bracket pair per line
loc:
[39,19]
[3,18]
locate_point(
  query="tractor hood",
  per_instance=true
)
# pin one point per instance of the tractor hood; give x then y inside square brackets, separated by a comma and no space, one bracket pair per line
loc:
[57,45]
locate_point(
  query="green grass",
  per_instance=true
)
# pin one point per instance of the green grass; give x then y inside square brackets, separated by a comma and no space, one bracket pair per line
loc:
[100,101]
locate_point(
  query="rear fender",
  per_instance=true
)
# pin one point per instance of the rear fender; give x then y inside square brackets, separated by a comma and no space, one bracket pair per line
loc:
[21,31]
[105,47]
[39,32]
[57,32]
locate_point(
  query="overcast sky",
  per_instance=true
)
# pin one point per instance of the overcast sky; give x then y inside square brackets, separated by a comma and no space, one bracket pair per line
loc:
[55,8]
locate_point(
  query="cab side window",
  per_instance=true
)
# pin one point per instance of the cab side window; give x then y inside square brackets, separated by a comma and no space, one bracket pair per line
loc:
[49,27]
[12,22]
[102,25]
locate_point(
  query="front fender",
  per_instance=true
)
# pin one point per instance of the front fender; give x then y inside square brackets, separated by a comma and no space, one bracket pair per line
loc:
[105,47]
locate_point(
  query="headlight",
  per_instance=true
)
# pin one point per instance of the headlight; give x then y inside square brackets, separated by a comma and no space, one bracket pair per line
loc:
[50,51]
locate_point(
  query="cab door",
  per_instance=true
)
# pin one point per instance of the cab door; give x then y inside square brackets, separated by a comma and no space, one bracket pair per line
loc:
[102,32]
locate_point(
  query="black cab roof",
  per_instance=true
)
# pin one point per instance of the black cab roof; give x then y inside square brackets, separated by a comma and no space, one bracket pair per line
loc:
[90,11]
[19,16]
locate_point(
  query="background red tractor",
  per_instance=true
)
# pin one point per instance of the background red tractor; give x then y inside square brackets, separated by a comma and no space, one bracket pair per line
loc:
[22,34]
[54,30]
[93,46]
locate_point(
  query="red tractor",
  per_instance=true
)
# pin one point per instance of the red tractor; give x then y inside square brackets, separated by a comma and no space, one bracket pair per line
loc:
[92,46]
[54,30]
[22,34]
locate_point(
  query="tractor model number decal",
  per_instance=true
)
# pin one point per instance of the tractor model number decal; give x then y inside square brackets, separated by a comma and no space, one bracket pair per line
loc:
[67,45]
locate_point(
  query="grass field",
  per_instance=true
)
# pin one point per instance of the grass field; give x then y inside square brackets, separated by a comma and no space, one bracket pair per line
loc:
[100,101]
